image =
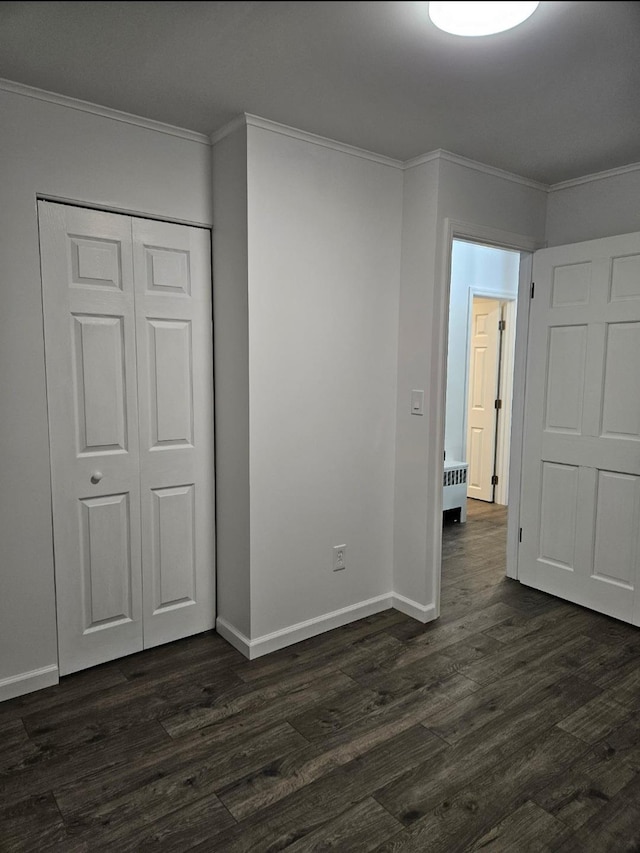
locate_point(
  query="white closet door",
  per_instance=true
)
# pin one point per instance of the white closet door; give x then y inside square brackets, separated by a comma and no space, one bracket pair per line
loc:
[481,409]
[88,296]
[580,508]
[175,363]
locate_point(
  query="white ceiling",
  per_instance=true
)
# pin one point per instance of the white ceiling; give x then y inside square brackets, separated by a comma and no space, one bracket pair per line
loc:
[554,99]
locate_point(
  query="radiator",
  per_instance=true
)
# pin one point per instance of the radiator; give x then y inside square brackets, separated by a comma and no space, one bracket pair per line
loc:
[454,487]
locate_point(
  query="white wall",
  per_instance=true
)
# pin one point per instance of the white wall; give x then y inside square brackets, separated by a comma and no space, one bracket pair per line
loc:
[415,371]
[480,269]
[596,208]
[231,360]
[324,264]
[53,150]
[487,201]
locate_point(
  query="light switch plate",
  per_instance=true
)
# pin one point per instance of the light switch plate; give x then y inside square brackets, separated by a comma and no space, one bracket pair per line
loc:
[417,402]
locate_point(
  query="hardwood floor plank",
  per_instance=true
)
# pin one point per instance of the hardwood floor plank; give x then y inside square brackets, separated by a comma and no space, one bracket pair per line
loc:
[473,648]
[563,647]
[179,830]
[49,768]
[596,719]
[353,640]
[615,827]
[342,710]
[419,791]
[495,700]
[528,828]
[576,794]
[306,810]
[71,690]
[125,706]
[168,778]
[263,706]
[625,740]
[16,745]
[33,824]
[360,829]
[463,817]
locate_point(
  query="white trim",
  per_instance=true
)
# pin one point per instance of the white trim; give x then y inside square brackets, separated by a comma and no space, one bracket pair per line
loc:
[517,413]
[228,128]
[122,211]
[103,112]
[421,612]
[596,176]
[483,167]
[303,136]
[429,157]
[232,635]
[503,450]
[27,682]
[456,228]
[303,630]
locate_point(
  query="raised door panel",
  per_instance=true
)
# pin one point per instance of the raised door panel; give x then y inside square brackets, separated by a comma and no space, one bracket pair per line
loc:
[621,398]
[88,300]
[100,383]
[558,515]
[170,383]
[107,566]
[174,551]
[566,361]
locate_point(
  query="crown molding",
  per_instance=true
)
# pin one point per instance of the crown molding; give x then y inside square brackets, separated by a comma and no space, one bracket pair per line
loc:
[103,112]
[247,119]
[228,129]
[421,159]
[491,170]
[596,176]
[304,136]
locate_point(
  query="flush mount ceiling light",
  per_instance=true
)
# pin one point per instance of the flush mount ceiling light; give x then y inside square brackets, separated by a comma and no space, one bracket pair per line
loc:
[479,19]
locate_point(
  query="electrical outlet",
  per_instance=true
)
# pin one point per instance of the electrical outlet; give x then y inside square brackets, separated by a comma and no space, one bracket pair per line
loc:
[339,558]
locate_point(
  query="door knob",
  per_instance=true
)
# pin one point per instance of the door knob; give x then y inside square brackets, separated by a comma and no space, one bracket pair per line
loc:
[96,476]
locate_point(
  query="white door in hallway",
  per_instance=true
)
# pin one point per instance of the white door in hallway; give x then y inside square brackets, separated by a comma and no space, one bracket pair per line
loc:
[115,401]
[481,410]
[580,504]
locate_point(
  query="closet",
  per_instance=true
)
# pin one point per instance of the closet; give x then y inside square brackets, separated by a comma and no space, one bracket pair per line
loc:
[129,366]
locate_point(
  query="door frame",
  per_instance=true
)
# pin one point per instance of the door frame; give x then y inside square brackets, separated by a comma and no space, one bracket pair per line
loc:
[506,365]
[461,230]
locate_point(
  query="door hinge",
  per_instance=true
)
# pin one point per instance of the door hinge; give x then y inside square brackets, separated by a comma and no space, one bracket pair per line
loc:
[494,480]
[502,325]
[520,536]
[498,404]
[533,288]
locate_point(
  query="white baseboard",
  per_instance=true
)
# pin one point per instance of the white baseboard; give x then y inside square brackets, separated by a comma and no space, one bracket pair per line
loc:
[303,630]
[27,682]
[237,639]
[421,612]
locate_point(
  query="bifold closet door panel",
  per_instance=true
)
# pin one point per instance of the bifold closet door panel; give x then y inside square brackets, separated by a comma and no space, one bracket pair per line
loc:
[88,301]
[175,395]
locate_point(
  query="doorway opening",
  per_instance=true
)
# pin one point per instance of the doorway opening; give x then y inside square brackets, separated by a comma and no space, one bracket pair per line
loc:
[483,298]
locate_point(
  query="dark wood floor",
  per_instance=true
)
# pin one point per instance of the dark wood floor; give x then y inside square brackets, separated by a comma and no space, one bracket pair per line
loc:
[512,724]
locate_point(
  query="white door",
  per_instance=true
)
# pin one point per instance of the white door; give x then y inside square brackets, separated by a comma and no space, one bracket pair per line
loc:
[173,319]
[101,394]
[481,407]
[88,300]
[580,505]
